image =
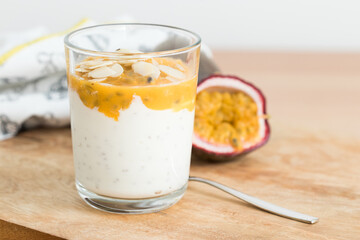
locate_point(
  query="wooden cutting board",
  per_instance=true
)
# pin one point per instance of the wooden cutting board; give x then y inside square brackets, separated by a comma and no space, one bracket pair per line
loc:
[311,164]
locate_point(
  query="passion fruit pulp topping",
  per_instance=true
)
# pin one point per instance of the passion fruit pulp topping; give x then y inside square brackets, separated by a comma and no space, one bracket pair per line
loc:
[228,118]
[158,88]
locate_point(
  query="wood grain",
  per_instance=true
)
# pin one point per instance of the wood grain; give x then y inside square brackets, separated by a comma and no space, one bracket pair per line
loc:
[310,165]
[10,231]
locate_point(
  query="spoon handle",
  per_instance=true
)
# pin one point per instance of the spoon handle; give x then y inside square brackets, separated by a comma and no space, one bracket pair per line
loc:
[260,203]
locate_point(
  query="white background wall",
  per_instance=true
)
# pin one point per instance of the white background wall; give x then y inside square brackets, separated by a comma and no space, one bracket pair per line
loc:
[295,25]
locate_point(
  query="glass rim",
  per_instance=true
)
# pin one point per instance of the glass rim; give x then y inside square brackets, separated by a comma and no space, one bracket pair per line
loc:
[74,47]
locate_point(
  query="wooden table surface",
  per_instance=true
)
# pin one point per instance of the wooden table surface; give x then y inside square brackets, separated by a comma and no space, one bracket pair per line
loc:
[311,164]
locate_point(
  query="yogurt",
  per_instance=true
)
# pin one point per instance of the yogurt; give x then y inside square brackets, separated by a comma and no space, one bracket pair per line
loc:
[144,154]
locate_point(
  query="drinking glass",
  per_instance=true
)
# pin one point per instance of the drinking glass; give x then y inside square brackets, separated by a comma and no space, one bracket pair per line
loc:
[132,90]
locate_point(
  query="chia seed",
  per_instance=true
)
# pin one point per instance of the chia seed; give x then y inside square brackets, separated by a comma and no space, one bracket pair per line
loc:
[234,141]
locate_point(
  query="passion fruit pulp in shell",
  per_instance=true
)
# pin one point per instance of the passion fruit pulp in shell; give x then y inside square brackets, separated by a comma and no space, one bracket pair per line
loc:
[230,118]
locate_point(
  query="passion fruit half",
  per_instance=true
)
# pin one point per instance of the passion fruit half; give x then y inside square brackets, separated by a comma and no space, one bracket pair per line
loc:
[230,118]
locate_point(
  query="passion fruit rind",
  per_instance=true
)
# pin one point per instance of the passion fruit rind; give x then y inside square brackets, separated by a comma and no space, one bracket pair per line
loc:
[214,152]
[224,157]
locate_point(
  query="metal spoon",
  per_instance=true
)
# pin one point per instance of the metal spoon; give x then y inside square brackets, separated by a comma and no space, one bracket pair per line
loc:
[260,203]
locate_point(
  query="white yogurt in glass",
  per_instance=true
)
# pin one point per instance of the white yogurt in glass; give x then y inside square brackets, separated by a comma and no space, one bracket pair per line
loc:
[145,154]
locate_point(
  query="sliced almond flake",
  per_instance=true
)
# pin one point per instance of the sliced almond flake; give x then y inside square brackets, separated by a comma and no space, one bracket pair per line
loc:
[80,70]
[118,70]
[123,50]
[106,84]
[101,72]
[154,62]
[181,68]
[171,72]
[90,63]
[172,79]
[97,80]
[126,62]
[146,69]
[127,59]
[104,63]
[155,74]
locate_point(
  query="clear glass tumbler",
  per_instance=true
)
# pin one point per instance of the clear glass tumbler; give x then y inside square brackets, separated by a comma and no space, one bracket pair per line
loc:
[132,91]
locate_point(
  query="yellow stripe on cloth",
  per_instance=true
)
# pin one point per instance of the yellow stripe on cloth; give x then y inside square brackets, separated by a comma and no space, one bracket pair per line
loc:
[18,48]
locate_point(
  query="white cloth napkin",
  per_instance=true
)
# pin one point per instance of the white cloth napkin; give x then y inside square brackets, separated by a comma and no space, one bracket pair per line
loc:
[33,84]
